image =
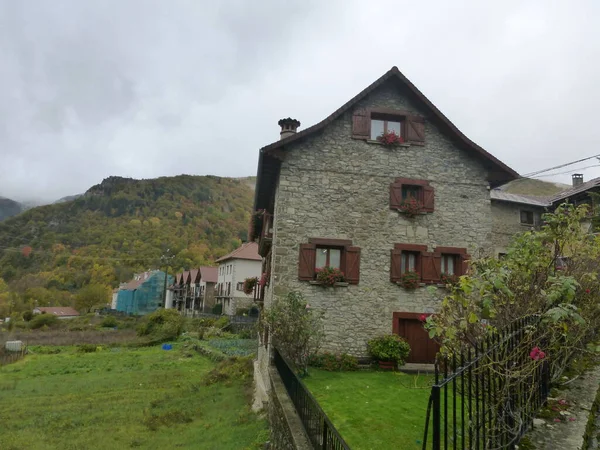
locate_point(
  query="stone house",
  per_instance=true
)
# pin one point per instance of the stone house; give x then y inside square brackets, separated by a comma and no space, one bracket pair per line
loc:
[582,193]
[244,262]
[332,194]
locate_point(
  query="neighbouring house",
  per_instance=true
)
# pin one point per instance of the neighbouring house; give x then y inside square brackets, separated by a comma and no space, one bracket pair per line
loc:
[192,304]
[513,214]
[209,276]
[62,312]
[583,193]
[244,262]
[335,195]
[144,294]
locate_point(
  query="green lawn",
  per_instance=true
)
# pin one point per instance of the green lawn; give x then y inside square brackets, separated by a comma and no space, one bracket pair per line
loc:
[123,398]
[374,410]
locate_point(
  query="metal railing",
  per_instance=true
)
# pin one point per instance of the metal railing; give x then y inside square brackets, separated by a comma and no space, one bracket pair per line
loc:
[486,397]
[321,432]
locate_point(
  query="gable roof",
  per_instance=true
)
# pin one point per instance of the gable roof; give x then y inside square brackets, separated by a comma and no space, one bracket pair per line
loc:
[194,275]
[209,274]
[577,190]
[496,194]
[249,250]
[268,164]
[60,311]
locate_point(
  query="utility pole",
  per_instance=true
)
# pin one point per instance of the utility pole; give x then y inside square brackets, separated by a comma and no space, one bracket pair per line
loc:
[166,259]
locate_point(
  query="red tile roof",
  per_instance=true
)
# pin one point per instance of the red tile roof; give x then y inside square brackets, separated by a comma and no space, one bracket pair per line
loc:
[132,285]
[249,250]
[61,311]
[209,274]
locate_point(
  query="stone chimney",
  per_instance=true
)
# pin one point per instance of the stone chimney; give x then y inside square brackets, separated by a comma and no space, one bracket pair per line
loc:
[288,127]
[577,179]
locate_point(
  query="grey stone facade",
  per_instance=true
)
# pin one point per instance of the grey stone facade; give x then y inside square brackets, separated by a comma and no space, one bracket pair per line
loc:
[333,186]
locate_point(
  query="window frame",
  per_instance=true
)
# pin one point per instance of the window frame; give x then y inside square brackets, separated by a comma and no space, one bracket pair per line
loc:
[422,185]
[455,263]
[460,255]
[327,258]
[386,116]
[398,250]
[349,254]
[412,126]
[527,211]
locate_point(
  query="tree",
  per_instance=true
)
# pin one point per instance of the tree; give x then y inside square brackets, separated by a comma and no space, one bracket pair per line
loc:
[90,296]
[296,329]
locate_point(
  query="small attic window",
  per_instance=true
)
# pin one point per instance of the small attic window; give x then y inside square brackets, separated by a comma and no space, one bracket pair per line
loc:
[380,126]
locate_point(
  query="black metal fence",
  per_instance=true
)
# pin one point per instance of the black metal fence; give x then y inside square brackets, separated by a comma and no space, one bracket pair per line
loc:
[486,397]
[320,430]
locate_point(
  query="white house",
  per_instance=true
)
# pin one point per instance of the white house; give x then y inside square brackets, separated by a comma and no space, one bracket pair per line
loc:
[244,262]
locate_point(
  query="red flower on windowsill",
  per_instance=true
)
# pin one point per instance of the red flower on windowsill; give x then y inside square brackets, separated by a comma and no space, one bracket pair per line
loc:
[411,207]
[390,139]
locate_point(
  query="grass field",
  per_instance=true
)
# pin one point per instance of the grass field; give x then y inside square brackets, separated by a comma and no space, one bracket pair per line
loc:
[374,410]
[144,398]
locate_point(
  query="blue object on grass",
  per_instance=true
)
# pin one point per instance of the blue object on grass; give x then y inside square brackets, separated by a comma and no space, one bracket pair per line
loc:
[167,347]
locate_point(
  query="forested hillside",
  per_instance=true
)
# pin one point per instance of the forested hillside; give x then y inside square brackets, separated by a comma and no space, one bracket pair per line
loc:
[9,208]
[116,228]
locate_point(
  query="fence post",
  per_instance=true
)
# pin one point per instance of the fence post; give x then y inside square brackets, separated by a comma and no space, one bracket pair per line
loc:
[324,447]
[435,393]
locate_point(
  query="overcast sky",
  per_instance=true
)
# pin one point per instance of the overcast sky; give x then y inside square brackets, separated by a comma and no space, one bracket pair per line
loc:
[143,88]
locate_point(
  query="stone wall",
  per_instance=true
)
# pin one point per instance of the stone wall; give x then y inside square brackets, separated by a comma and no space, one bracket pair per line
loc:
[506,223]
[287,431]
[332,186]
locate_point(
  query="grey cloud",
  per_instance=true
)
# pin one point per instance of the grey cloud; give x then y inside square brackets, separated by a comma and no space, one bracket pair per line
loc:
[149,88]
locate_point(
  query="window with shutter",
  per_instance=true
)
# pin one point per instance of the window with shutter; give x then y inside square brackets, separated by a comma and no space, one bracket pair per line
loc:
[324,252]
[403,189]
[370,123]
[406,257]
[454,261]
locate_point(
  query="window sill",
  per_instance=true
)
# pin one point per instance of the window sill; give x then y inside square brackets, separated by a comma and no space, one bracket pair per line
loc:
[399,283]
[371,141]
[339,284]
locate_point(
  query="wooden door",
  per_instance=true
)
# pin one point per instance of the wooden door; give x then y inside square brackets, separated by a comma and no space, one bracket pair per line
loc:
[422,348]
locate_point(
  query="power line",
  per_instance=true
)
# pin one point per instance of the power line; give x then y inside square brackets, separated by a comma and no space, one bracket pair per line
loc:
[568,171]
[559,166]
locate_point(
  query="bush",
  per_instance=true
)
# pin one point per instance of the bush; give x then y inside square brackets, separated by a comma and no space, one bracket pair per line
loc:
[330,362]
[222,322]
[162,325]
[217,309]
[87,348]
[109,322]
[230,369]
[242,311]
[41,320]
[27,316]
[389,348]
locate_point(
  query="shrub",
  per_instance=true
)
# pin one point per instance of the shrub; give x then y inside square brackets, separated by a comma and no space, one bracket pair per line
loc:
[27,316]
[217,309]
[390,347]
[330,362]
[253,311]
[109,322]
[41,320]
[296,330]
[87,348]
[162,325]
[410,280]
[221,322]
[328,276]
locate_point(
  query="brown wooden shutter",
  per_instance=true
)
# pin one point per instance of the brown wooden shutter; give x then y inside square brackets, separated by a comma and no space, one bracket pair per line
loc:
[430,264]
[306,264]
[395,195]
[352,265]
[415,130]
[395,265]
[428,198]
[361,124]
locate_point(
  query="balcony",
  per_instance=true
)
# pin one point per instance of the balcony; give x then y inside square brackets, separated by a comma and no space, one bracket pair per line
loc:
[265,222]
